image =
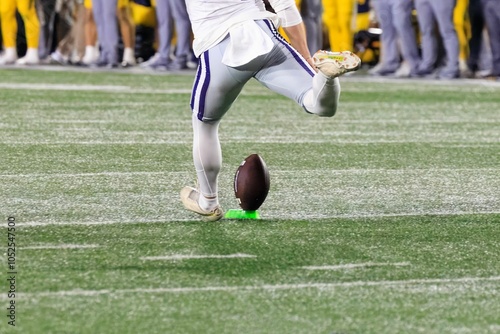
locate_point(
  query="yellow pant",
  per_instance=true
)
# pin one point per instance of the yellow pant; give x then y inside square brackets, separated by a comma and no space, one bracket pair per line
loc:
[27,10]
[462,26]
[119,3]
[362,17]
[142,15]
[338,18]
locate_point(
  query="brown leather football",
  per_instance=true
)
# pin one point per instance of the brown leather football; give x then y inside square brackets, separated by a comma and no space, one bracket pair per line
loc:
[251,182]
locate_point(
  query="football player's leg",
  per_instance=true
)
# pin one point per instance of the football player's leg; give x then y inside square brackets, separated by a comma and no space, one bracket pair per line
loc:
[215,89]
[429,45]
[492,19]
[444,12]
[288,73]
[311,11]
[462,28]
[9,31]
[127,31]
[183,31]
[110,31]
[30,18]
[345,24]
[401,12]
[165,32]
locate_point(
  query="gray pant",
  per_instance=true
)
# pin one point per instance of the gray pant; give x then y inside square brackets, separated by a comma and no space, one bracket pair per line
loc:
[107,29]
[394,18]
[217,86]
[492,18]
[311,11]
[168,13]
[429,12]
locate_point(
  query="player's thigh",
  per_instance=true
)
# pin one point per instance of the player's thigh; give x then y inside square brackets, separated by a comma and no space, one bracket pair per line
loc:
[288,79]
[25,7]
[285,71]
[216,86]
[8,7]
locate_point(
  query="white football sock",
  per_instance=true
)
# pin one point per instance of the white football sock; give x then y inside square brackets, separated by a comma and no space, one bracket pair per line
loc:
[207,157]
[323,98]
[207,203]
[128,55]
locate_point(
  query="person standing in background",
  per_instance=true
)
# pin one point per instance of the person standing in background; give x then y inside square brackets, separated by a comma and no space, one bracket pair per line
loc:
[71,45]
[363,15]
[127,30]
[476,17]
[91,55]
[428,13]
[394,17]
[311,11]
[492,18]
[338,16]
[462,27]
[183,34]
[170,13]
[27,10]
[104,12]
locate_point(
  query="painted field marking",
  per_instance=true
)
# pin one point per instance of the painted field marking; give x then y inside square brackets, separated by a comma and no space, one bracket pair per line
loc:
[177,220]
[355,265]
[62,246]
[175,257]
[265,287]
[101,88]
[269,140]
[63,175]
[277,171]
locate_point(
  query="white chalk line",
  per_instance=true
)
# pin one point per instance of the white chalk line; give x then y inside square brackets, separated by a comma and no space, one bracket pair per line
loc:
[64,175]
[265,287]
[175,257]
[423,81]
[304,171]
[61,246]
[175,220]
[279,140]
[100,88]
[355,265]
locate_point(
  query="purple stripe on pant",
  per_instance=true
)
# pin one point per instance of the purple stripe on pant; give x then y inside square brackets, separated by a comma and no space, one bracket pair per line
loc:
[296,55]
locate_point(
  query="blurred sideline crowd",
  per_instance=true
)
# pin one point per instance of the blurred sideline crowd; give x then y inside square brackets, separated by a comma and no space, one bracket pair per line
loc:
[444,39]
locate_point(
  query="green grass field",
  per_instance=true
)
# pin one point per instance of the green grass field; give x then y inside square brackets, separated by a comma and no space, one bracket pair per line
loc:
[383,219]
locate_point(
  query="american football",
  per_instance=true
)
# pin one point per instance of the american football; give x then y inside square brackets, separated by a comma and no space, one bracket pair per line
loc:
[251,182]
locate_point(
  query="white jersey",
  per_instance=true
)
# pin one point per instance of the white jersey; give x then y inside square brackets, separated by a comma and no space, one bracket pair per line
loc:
[211,20]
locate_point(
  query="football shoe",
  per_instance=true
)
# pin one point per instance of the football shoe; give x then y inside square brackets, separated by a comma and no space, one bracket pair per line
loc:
[190,198]
[334,64]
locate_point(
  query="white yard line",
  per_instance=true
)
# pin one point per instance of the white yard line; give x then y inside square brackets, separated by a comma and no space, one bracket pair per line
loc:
[265,287]
[175,257]
[489,143]
[175,220]
[64,175]
[306,171]
[100,88]
[94,223]
[425,82]
[65,87]
[355,265]
[61,246]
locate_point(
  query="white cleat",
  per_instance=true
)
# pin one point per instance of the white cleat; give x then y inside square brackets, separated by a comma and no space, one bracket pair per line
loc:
[334,64]
[190,196]
[9,56]
[91,55]
[31,58]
